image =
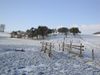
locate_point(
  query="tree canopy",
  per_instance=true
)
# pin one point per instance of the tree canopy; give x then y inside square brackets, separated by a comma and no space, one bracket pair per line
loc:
[63,30]
[74,30]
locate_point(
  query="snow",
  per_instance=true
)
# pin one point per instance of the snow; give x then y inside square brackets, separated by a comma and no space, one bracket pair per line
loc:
[97,34]
[35,62]
[4,34]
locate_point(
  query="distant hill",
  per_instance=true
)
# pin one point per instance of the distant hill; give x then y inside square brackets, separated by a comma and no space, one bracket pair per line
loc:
[96,33]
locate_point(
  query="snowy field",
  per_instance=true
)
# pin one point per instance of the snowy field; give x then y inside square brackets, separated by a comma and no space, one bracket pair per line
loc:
[34,62]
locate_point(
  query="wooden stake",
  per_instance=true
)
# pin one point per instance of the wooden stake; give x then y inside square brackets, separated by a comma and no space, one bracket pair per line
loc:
[80,55]
[70,46]
[59,47]
[93,54]
[63,46]
[49,53]
[53,45]
[45,47]
[42,47]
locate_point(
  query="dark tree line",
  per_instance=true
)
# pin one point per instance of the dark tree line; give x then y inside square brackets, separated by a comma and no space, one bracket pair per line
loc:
[40,31]
[43,31]
[73,30]
[34,32]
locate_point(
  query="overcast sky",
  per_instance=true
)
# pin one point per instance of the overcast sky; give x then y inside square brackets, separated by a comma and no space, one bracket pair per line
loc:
[24,14]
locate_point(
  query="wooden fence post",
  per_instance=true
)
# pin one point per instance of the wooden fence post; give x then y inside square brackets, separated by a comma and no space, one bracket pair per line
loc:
[92,54]
[59,47]
[70,46]
[63,46]
[49,53]
[45,47]
[80,55]
[53,45]
[42,47]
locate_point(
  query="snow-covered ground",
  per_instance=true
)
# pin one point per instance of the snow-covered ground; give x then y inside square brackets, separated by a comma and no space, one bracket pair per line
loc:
[35,62]
[97,34]
[4,34]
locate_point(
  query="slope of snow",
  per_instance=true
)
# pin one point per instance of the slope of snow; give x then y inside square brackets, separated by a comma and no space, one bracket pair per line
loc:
[35,62]
[4,34]
[97,34]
